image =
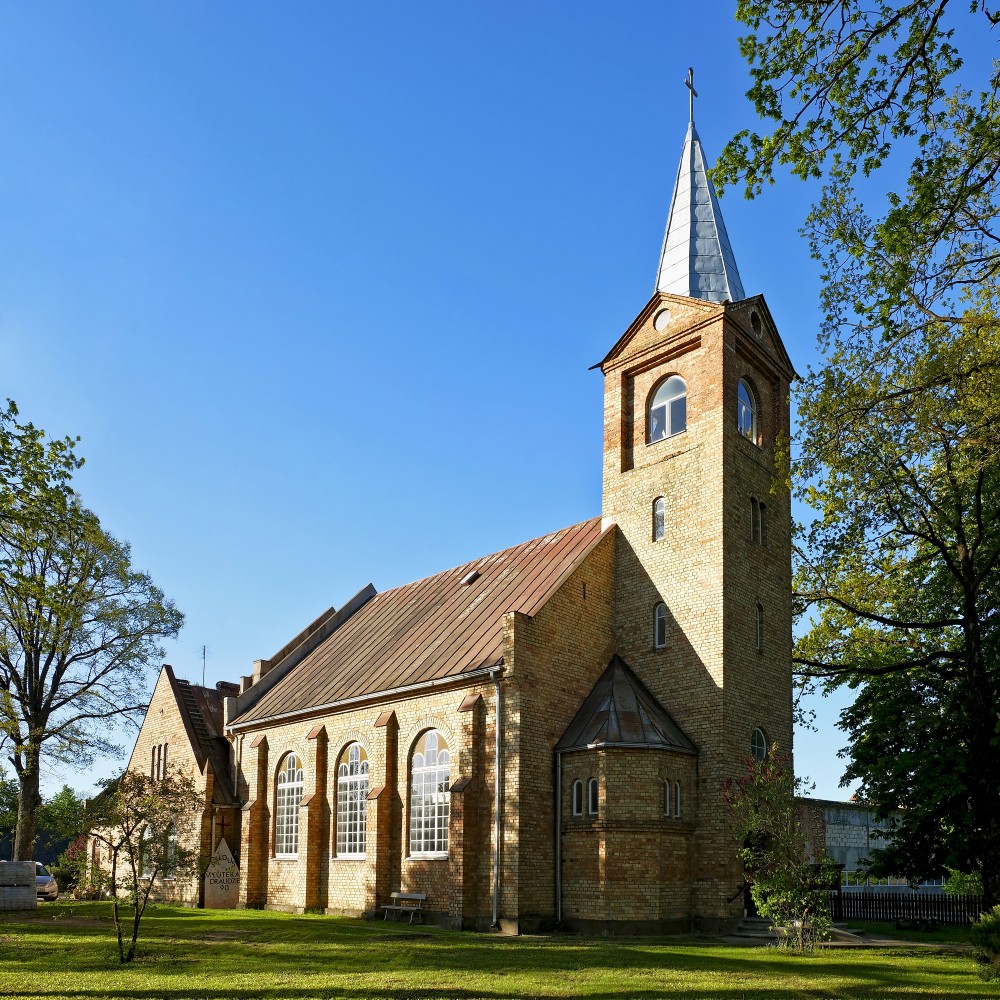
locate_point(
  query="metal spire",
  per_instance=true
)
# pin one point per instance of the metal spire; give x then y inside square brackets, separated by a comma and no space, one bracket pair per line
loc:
[696,259]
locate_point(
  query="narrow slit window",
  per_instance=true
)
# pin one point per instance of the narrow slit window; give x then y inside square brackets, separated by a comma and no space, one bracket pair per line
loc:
[759,627]
[660,626]
[659,519]
[746,412]
[762,525]
[592,796]
[577,798]
[677,800]
[666,797]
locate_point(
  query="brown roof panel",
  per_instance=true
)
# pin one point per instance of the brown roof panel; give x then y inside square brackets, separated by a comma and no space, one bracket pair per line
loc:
[431,629]
[621,711]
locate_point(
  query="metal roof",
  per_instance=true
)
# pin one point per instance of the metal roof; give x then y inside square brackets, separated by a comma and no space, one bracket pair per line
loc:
[697,259]
[436,628]
[200,710]
[621,711]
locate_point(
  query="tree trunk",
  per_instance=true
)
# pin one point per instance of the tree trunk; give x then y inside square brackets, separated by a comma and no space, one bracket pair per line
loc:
[29,801]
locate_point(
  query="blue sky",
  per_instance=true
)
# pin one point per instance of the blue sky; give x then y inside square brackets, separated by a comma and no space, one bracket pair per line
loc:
[319,284]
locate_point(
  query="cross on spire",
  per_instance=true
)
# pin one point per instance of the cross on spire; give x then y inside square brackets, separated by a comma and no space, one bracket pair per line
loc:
[689,83]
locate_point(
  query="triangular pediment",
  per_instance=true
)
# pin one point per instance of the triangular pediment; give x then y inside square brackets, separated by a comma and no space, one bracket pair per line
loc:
[664,317]
[758,329]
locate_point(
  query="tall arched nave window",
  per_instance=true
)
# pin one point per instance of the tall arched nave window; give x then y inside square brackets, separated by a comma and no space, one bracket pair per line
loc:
[430,796]
[352,801]
[288,795]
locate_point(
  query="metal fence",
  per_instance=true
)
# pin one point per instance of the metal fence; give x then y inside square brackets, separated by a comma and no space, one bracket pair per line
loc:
[945,909]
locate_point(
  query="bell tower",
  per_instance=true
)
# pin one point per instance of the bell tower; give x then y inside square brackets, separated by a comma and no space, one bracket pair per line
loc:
[695,411]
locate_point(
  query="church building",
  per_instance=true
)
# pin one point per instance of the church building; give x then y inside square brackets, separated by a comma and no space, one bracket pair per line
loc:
[538,738]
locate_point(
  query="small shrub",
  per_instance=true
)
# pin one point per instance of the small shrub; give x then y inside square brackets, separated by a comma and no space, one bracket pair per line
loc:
[986,943]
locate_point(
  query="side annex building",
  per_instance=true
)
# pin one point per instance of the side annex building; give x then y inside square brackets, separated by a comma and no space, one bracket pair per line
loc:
[539,737]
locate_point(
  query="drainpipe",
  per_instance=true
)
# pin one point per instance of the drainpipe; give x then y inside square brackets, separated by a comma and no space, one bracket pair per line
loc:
[498,782]
[558,838]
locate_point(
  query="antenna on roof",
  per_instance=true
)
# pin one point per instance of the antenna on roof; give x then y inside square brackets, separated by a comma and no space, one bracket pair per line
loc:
[202,666]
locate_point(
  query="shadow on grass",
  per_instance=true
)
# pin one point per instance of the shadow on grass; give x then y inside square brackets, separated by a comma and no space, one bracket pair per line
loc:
[259,956]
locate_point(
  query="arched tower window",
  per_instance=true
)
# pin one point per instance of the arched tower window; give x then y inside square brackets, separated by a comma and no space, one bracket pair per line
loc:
[659,519]
[677,800]
[286,808]
[352,795]
[667,409]
[758,744]
[746,412]
[430,798]
[578,798]
[666,796]
[592,801]
[660,626]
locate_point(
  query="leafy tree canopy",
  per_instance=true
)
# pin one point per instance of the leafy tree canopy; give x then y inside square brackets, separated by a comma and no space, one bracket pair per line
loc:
[899,456]
[78,625]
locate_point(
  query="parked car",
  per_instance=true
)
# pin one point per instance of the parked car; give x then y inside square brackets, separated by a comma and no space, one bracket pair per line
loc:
[45,884]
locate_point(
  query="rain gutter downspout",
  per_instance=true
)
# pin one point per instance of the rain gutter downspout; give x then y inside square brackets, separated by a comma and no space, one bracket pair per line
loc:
[558,838]
[498,783]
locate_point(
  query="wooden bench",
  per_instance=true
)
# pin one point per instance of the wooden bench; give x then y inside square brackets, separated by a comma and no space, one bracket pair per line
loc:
[406,902]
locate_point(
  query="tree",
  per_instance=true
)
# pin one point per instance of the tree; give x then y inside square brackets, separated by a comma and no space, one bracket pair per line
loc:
[8,811]
[78,625]
[785,884]
[145,824]
[61,816]
[897,573]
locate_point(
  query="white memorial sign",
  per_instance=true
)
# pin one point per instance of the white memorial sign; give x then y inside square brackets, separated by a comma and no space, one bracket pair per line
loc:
[222,880]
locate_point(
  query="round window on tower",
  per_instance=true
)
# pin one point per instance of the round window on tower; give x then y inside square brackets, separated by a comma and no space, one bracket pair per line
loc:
[661,320]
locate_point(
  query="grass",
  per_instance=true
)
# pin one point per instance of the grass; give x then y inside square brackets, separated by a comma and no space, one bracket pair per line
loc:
[68,951]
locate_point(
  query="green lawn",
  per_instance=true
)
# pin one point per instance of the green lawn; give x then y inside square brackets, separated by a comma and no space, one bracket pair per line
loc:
[68,951]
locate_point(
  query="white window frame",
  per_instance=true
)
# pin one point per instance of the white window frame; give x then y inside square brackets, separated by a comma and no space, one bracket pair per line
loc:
[352,802]
[593,797]
[758,744]
[287,796]
[430,796]
[666,414]
[577,798]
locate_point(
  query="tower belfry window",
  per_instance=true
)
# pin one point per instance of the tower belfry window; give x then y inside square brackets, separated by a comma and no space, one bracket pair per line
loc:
[746,412]
[667,409]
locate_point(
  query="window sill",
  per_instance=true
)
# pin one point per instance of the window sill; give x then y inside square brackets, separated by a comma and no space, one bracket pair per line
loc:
[426,857]
[284,857]
[349,857]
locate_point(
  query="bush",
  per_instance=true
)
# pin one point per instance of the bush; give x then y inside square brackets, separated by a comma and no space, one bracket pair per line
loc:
[986,943]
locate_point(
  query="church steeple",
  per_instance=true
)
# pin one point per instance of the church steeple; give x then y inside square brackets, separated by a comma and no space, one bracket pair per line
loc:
[697,259]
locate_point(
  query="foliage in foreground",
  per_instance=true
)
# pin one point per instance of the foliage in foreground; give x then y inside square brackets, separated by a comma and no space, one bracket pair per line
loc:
[786,886]
[898,572]
[986,943]
[63,951]
[78,625]
[143,823]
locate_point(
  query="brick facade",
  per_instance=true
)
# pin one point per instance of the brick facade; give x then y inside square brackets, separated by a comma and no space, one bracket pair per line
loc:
[656,852]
